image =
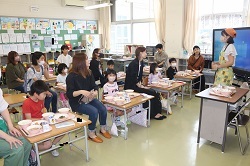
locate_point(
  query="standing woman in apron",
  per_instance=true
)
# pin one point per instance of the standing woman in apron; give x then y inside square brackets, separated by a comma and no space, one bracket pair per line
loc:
[224,74]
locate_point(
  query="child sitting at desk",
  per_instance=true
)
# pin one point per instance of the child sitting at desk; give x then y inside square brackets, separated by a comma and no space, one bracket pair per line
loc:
[111,66]
[33,107]
[61,78]
[172,70]
[154,76]
[110,89]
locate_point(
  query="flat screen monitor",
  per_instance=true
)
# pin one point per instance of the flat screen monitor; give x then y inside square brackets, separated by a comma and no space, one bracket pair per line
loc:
[242,45]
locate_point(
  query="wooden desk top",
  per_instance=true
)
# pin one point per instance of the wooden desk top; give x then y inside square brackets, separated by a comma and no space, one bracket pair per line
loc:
[174,86]
[240,92]
[55,131]
[135,101]
[15,98]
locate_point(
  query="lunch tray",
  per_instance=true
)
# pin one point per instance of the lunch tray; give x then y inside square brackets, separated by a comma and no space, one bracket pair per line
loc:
[26,133]
[70,116]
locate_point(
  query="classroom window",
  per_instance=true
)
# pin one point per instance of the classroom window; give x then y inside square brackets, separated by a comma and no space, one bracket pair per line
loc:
[216,14]
[133,24]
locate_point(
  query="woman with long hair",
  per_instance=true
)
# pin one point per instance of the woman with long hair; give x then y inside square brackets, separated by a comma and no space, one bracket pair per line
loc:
[82,92]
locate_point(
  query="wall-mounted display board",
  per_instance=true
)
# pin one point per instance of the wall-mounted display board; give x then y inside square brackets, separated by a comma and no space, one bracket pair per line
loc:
[26,35]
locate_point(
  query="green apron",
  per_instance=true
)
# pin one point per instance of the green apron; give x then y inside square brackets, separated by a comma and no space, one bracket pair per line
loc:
[224,76]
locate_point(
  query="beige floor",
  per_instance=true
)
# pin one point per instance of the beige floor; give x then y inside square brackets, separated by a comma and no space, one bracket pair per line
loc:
[168,142]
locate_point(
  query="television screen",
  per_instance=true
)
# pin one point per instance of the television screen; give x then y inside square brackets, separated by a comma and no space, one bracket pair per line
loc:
[242,45]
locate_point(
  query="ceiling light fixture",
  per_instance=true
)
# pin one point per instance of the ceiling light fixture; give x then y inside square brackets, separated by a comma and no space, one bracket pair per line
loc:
[98,6]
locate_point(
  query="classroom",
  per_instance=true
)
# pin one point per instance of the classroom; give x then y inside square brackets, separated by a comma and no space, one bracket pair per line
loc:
[124,82]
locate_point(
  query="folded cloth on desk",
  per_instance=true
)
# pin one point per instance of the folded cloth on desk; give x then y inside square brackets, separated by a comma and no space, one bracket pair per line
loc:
[65,124]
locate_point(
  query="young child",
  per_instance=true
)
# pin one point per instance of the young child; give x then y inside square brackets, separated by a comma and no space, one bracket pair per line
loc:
[172,70]
[154,76]
[33,107]
[65,57]
[110,89]
[61,78]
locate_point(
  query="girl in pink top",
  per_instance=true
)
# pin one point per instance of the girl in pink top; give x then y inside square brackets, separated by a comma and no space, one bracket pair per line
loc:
[154,76]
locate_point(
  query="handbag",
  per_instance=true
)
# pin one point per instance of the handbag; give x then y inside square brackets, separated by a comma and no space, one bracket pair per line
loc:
[138,115]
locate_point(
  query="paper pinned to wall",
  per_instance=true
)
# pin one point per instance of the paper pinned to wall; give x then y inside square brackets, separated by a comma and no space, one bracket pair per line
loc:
[12,38]
[81,31]
[92,31]
[13,47]
[60,38]
[49,32]
[73,36]
[40,38]
[47,41]
[43,31]
[1,49]
[5,38]
[48,49]
[6,49]
[28,31]
[57,31]
[69,31]
[59,46]
[10,31]
[0,38]
[36,49]
[26,37]
[19,37]
[20,48]
[67,37]
[27,48]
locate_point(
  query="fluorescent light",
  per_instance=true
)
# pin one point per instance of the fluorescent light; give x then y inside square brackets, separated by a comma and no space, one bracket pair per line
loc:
[98,6]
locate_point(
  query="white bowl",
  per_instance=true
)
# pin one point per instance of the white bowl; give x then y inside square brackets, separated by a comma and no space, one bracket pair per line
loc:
[25,123]
[46,115]
[34,129]
[129,90]
[154,83]
[109,98]
[63,110]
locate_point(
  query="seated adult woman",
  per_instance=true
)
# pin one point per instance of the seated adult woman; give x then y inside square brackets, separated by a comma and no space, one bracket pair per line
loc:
[15,71]
[133,81]
[35,72]
[14,148]
[96,67]
[82,92]
[196,62]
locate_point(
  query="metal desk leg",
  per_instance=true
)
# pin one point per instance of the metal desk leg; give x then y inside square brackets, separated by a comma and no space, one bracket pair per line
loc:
[86,143]
[182,93]
[200,84]
[199,128]
[149,111]
[168,101]
[125,125]
[190,88]
[37,154]
[225,130]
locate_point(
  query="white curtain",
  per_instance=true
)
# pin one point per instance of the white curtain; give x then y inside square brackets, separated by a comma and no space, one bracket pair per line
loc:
[160,20]
[248,14]
[105,27]
[191,24]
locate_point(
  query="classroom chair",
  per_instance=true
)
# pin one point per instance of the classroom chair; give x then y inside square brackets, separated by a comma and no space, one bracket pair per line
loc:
[238,119]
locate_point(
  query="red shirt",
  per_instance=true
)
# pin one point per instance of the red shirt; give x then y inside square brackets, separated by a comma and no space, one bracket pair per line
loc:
[32,107]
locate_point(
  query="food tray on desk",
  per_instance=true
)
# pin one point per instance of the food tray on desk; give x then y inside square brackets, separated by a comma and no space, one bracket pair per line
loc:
[217,94]
[70,116]
[26,133]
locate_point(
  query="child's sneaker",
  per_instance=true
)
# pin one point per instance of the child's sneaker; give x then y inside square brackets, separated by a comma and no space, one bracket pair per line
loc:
[55,153]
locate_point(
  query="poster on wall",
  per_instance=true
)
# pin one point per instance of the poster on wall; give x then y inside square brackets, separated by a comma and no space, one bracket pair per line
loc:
[27,23]
[10,23]
[69,24]
[42,24]
[91,25]
[80,25]
[56,24]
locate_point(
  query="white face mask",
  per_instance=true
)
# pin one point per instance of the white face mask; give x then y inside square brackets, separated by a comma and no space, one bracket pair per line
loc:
[41,62]
[65,70]
[111,79]
[173,64]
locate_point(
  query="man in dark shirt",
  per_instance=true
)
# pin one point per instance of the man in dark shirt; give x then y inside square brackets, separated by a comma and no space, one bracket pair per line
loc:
[172,70]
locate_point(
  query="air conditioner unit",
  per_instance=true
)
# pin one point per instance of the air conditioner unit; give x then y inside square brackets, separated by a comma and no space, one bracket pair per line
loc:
[74,3]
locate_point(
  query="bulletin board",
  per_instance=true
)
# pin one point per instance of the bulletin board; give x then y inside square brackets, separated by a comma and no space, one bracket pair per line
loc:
[39,34]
